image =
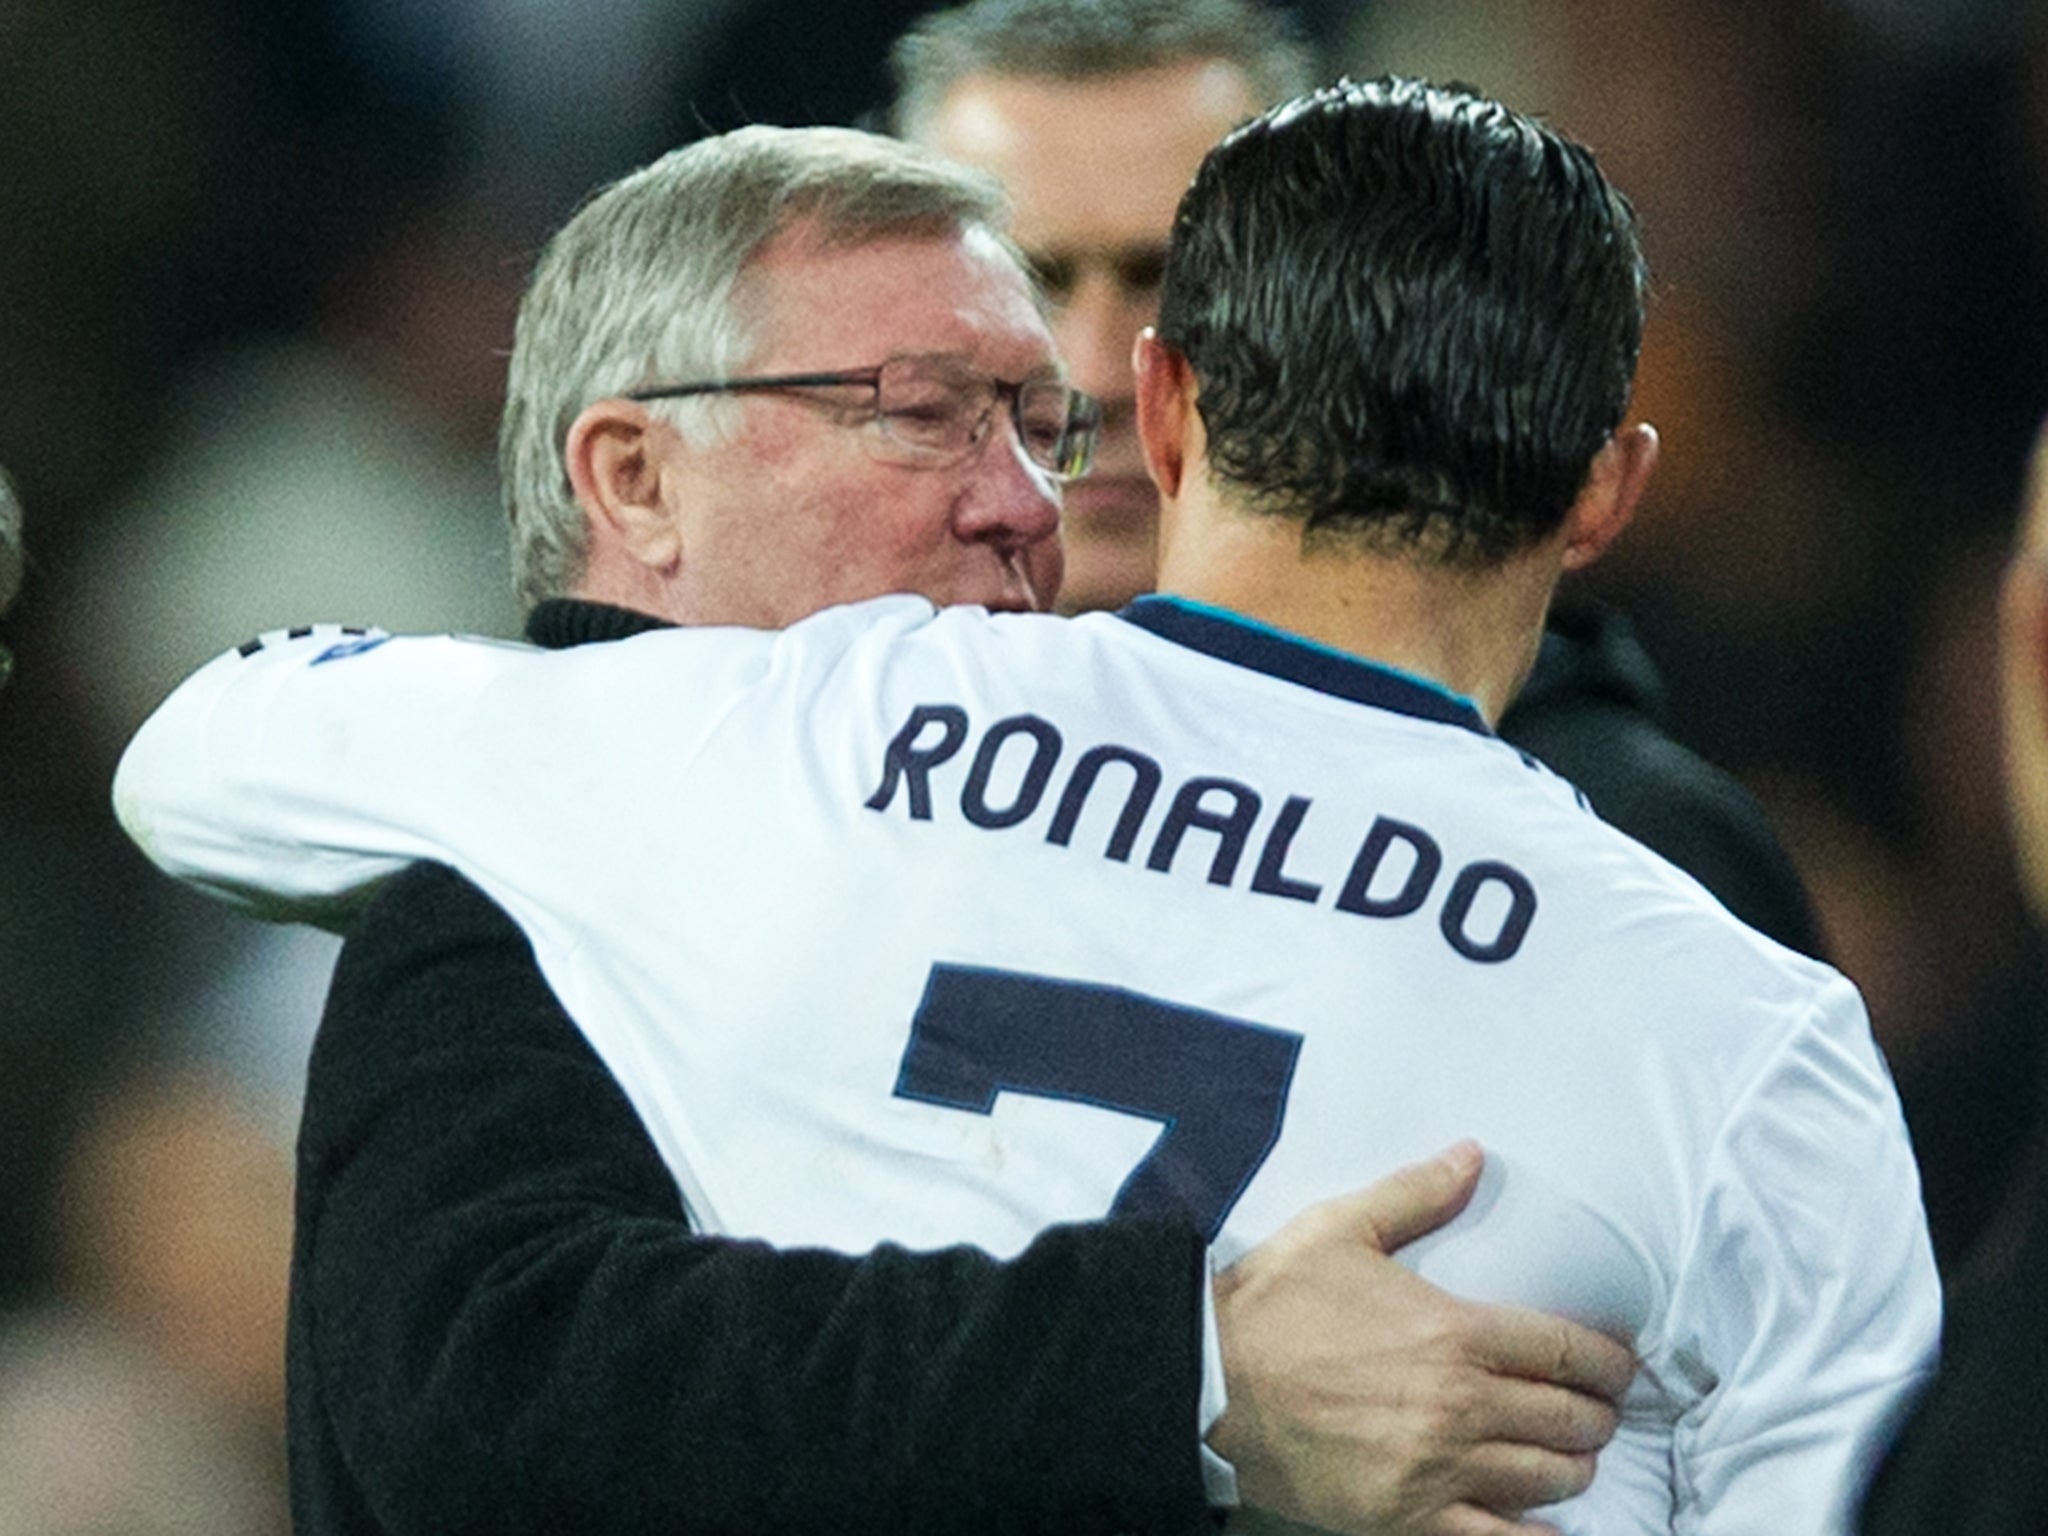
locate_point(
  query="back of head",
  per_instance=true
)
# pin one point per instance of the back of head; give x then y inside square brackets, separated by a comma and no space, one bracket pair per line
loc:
[1413,314]
[1090,39]
[646,284]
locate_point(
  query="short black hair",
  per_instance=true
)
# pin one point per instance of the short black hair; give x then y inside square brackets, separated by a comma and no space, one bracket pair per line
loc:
[1414,316]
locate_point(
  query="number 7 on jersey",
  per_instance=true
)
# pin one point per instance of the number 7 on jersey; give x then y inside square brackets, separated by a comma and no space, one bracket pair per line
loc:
[1218,1085]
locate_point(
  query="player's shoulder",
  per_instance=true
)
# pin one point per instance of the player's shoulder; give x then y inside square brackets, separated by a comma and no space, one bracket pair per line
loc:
[316,651]
[1720,968]
[903,631]
[1653,917]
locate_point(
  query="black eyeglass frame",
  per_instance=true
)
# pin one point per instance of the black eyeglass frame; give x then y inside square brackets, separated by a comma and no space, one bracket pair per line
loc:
[1077,438]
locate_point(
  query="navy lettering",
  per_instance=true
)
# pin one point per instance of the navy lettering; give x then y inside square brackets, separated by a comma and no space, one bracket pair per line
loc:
[1045,752]
[905,762]
[1356,895]
[1485,916]
[1231,827]
[1145,780]
[1270,880]
[1514,926]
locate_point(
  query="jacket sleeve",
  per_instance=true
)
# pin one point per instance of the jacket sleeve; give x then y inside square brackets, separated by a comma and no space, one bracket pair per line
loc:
[501,1320]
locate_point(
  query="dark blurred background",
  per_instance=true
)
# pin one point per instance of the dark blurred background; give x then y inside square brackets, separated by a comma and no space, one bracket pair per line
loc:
[257,269]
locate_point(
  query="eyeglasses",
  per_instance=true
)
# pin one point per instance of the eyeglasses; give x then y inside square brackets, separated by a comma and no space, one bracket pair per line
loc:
[933,411]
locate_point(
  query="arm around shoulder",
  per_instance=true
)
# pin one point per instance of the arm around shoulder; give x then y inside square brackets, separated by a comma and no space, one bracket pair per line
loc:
[502,1320]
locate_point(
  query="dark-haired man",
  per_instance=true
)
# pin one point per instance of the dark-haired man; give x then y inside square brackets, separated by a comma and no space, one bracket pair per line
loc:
[1973,1459]
[922,923]
[1094,116]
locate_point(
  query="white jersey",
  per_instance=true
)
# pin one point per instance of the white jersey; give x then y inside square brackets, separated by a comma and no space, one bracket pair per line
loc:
[943,926]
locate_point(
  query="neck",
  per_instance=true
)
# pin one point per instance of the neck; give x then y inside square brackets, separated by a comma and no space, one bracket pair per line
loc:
[611,578]
[1475,633]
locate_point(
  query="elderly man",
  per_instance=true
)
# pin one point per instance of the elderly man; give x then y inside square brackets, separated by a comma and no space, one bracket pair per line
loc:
[501,1317]
[917,923]
[1094,116]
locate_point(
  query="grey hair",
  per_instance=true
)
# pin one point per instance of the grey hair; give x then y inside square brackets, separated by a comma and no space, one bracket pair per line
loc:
[643,286]
[1089,39]
[12,555]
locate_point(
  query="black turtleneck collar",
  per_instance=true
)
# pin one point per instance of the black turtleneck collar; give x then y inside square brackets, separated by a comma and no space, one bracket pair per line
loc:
[558,623]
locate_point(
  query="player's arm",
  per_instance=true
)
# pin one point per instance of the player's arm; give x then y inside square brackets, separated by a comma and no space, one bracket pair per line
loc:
[1810,1291]
[292,775]
[286,776]
[289,776]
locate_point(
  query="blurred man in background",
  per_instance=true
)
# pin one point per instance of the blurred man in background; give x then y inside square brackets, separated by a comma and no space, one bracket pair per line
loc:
[1094,118]
[1974,1458]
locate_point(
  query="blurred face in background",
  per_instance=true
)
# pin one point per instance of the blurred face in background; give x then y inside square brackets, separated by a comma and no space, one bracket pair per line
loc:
[1095,169]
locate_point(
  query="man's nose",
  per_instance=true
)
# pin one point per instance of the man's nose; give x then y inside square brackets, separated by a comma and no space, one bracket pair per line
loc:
[1095,327]
[1011,499]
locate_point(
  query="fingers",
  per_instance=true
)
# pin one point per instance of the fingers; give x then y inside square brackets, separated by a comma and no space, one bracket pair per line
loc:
[1537,1416]
[1512,1478]
[1515,1477]
[1413,1200]
[1518,1342]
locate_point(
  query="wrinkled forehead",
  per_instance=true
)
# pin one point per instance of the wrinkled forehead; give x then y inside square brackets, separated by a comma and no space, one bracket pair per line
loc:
[851,302]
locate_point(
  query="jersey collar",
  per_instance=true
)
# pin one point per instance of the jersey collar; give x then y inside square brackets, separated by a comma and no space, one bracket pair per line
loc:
[1247,643]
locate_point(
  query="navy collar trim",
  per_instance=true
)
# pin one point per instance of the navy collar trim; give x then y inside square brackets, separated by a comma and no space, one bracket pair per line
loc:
[1247,643]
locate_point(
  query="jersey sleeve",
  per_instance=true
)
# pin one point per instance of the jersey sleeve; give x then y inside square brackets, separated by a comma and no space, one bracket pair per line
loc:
[1810,1303]
[289,776]
[292,775]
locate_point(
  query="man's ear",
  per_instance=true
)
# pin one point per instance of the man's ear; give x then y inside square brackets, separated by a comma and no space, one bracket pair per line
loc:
[1608,499]
[616,476]
[1166,411]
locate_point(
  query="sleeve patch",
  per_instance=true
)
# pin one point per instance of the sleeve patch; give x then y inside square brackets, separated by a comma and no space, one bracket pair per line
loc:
[347,648]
